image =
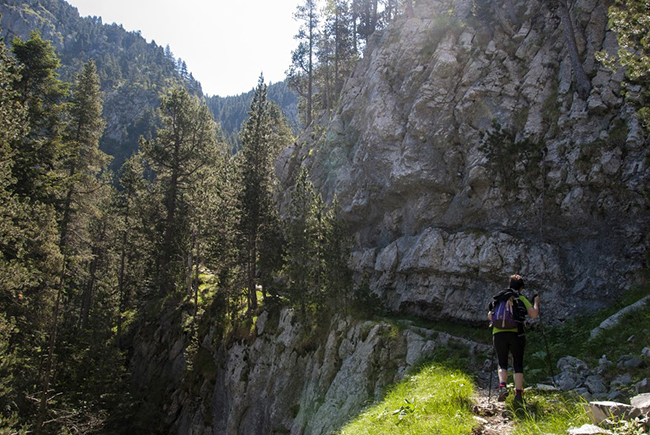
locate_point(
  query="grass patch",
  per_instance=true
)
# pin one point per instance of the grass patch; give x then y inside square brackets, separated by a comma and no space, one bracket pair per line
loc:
[435,400]
[549,413]
[572,337]
[463,330]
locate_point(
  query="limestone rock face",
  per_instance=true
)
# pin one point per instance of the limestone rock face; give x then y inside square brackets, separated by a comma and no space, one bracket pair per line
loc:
[278,383]
[438,225]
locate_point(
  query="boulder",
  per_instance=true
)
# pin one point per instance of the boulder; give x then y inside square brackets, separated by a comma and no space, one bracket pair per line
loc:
[596,384]
[588,429]
[601,411]
[629,362]
[621,380]
[643,386]
[642,403]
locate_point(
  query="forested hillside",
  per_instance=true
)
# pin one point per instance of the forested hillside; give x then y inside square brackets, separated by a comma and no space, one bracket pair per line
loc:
[132,72]
[231,112]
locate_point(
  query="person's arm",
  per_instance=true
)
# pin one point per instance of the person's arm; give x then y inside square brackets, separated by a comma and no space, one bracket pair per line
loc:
[533,312]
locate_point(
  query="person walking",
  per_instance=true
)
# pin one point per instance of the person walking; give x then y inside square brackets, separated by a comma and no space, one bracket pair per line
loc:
[507,313]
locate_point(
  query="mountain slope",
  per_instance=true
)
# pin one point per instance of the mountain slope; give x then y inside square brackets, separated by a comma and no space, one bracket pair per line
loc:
[133,73]
[231,112]
[462,152]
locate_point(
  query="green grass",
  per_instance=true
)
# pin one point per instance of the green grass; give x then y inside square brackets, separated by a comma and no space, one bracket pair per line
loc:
[435,400]
[629,337]
[549,413]
[470,332]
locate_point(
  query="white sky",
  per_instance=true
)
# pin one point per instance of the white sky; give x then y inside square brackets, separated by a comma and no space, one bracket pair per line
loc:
[225,43]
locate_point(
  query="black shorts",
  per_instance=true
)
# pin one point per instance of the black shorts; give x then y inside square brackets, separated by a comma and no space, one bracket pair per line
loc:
[510,342]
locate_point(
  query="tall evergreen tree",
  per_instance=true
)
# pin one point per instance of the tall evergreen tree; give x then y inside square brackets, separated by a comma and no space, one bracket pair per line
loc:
[336,254]
[338,27]
[185,144]
[29,256]
[43,94]
[81,163]
[301,71]
[367,16]
[256,172]
[134,253]
[301,245]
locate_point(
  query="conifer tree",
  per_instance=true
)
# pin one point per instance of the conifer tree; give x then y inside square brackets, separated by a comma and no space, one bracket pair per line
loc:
[300,240]
[81,163]
[184,145]
[134,253]
[43,94]
[14,268]
[301,71]
[256,172]
[336,254]
[338,27]
[29,255]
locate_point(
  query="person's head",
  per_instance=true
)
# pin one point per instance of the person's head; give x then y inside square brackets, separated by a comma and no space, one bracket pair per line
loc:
[516,282]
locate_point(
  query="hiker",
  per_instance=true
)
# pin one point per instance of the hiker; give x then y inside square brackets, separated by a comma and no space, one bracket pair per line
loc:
[507,313]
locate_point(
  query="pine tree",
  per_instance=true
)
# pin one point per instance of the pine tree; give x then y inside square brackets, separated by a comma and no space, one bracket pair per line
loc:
[300,243]
[366,14]
[43,94]
[338,27]
[337,247]
[134,253]
[256,172]
[82,161]
[29,256]
[184,145]
[301,72]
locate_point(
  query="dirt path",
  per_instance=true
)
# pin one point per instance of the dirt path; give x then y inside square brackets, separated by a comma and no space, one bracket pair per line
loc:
[494,417]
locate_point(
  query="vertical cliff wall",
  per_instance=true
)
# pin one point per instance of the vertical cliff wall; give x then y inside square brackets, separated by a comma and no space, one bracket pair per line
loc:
[441,216]
[277,381]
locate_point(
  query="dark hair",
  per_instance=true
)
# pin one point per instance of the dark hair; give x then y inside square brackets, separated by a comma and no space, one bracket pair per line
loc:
[516,282]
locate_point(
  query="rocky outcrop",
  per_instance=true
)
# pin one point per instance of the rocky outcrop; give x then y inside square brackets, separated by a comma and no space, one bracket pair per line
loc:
[278,381]
[574,375]
[438,221]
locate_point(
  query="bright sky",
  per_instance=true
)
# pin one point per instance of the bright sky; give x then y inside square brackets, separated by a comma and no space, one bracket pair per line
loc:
[225,43]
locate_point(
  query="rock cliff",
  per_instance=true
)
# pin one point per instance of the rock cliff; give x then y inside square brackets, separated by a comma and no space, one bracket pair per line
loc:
[441,212]
[277,381]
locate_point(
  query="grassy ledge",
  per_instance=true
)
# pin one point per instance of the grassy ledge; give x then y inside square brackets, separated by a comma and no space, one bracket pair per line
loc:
[434,400]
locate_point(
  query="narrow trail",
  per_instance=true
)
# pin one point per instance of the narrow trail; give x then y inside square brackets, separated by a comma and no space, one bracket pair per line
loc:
[495,418]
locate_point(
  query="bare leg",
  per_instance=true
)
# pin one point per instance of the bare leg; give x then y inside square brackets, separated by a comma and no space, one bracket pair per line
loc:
[503,376]
[519,381]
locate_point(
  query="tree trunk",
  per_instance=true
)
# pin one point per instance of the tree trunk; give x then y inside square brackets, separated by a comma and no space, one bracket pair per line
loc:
[63,243]
[47,375]
[86,300]
[167,283]
[310,67]
[122,299]
[197,261]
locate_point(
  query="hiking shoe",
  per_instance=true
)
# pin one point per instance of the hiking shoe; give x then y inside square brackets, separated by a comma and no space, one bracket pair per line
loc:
[503,393]
[518,401]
